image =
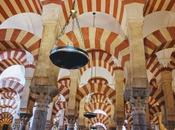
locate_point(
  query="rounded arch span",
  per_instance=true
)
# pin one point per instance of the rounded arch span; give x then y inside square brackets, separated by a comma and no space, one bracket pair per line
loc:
[100,58]
[30,22]
[12,84]
[19,39]
[18,6]
[152,6]
[114,8]
[158,20]
[63,87]
[109,23]
[100,118]
[98,87]
[97,38]
[158,40]
[16,57]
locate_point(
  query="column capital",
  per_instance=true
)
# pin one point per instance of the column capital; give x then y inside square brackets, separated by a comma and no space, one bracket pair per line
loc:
[134,92]
[71,119]
[164,56]
[50,14]
[42,90]
[24,117]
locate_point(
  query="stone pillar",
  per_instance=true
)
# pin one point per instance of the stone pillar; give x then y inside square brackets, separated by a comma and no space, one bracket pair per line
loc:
[49,122]
[164,58]
[71,106]
[137,97]
[71,123]
[119,106]
[25,95]
[24,118]
[61,119]
[44,95]
[16,124]
[120,122]
[166,80]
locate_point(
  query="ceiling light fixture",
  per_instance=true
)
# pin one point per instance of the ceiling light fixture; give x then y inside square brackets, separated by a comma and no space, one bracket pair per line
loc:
[70,57]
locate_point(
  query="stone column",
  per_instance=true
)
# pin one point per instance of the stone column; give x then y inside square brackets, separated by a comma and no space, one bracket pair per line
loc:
[61,120]
[164,58]
[71,106]
[119,106]
[44,95]
[71,123]
[25,95]
[137,97]
[24,118]
[120,122]
[49,122]
[16,124]
[166,80]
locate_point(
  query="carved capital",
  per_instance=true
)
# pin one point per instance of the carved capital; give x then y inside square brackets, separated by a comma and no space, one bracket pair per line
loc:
[71,119]
[43,96]
[24,118]
[164,56]
[137,97]
[131,93]
[50,14]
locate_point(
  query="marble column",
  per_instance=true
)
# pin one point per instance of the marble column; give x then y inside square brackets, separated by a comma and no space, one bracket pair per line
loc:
[165,83]
[137,97]
[71,123]
[24,118]
[120,122]
[44,95]
[61,119]
[119,106]
[16,124]
[164,58]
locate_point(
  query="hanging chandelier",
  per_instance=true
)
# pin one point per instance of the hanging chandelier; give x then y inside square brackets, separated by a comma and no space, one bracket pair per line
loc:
[70,57]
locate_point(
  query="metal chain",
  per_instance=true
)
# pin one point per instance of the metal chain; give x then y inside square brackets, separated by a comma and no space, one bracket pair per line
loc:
[67,22]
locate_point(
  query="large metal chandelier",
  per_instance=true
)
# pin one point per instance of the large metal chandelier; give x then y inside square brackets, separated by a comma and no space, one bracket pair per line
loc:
[70,57]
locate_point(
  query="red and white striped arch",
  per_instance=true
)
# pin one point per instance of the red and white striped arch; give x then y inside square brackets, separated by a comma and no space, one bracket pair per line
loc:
[6,118]
[19,40]
[99,98]
[8,103]
[63,87]
[99,87]
[115,8]
[128,109]
[9,8]
[7,93]
[14,57]
[100,58]
[158,40]
[152,6]
[155,120]
[11,84]
[155,100]
[99,118]
[58,105]
[154,67]
[97,38]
